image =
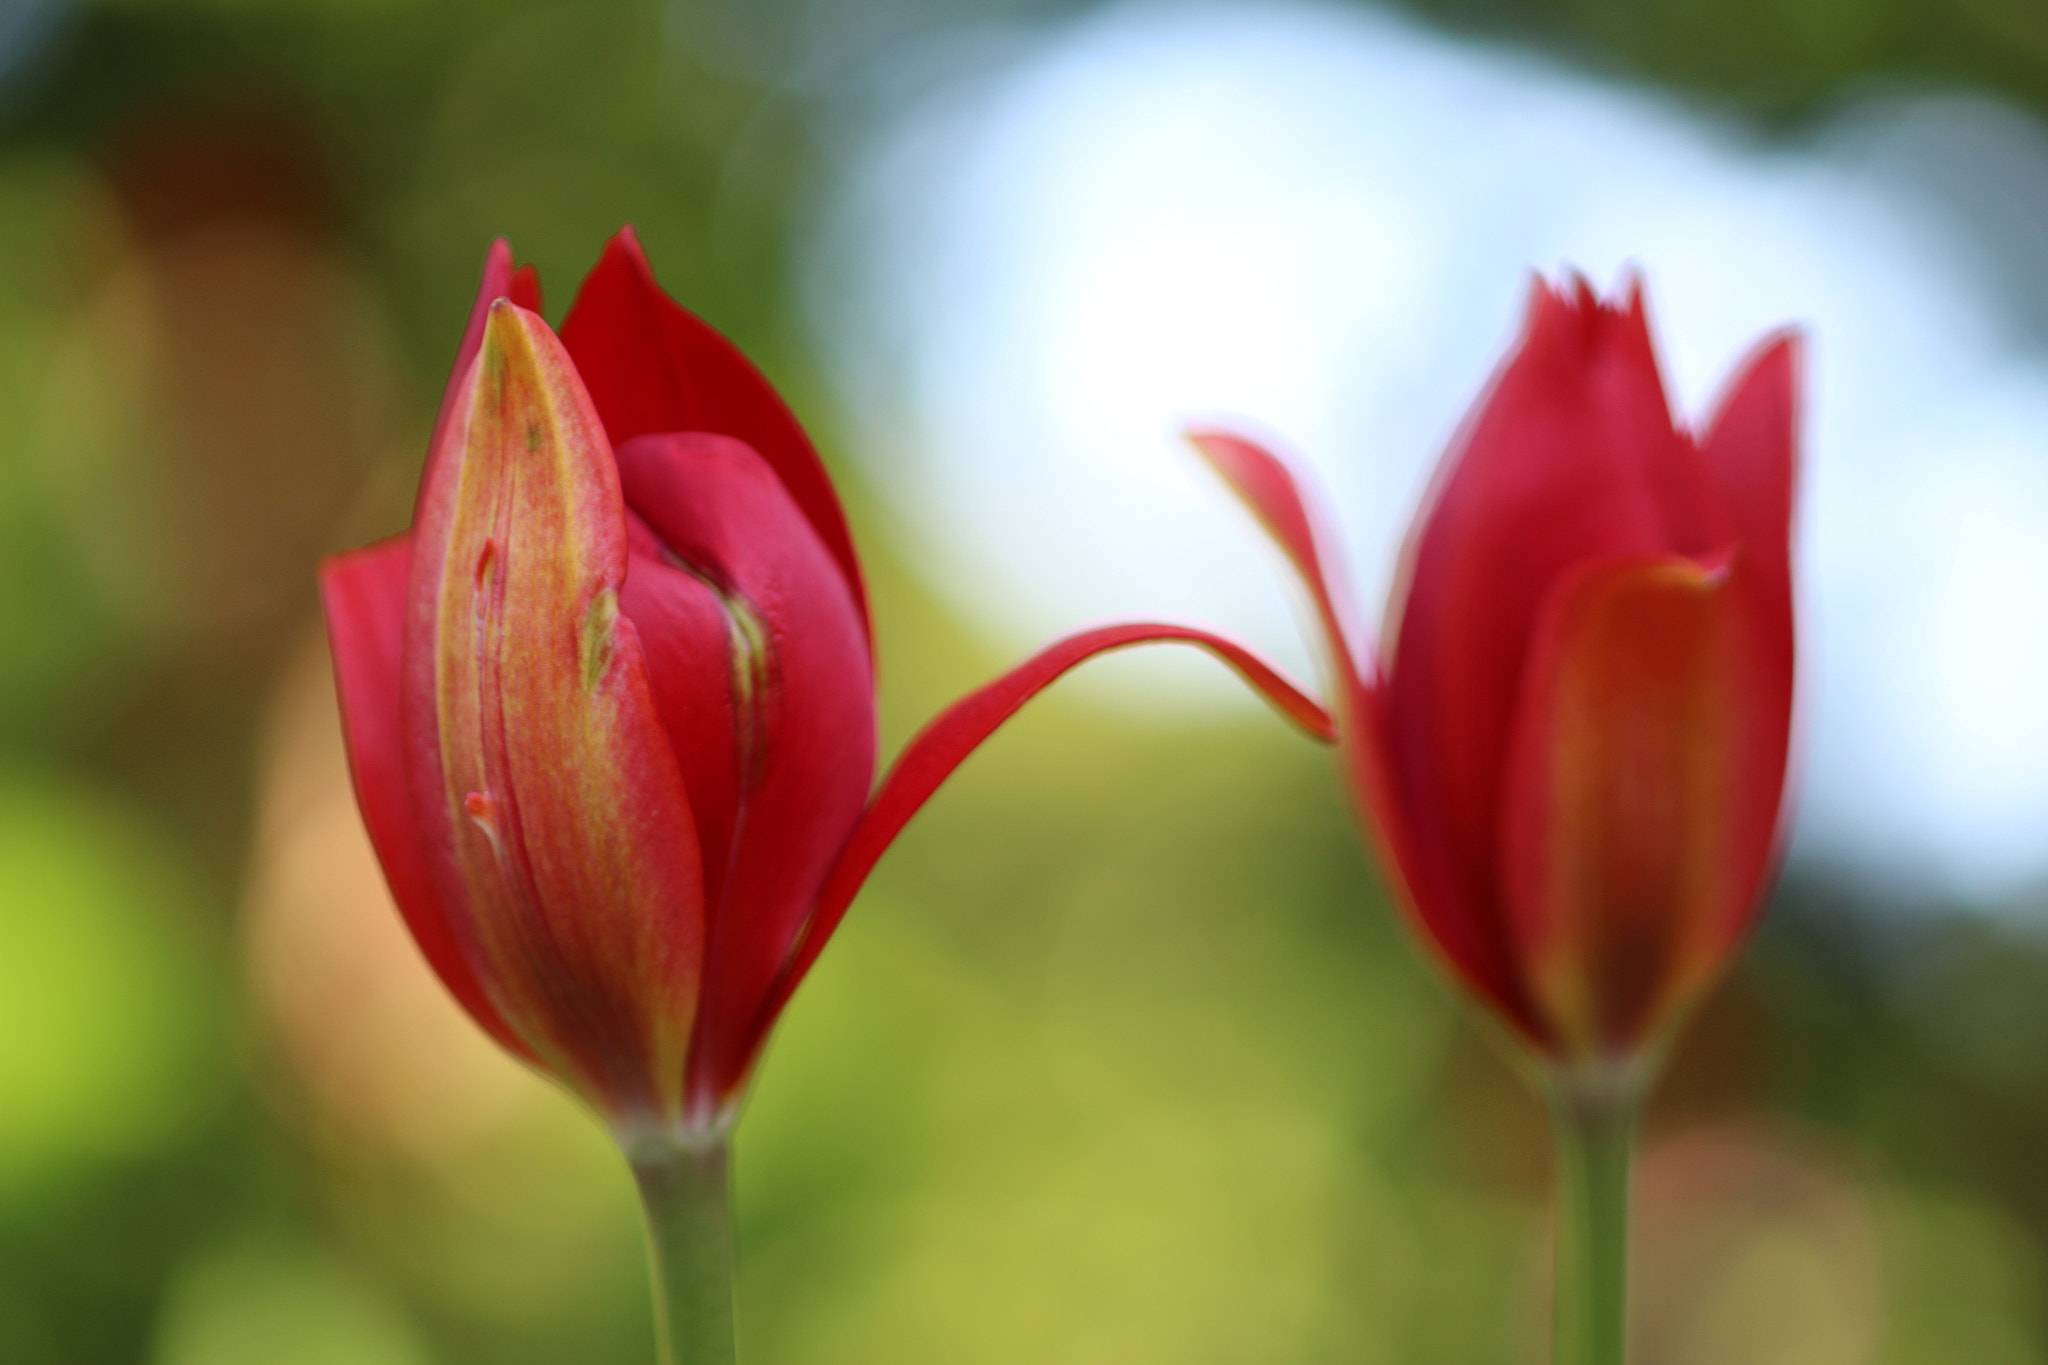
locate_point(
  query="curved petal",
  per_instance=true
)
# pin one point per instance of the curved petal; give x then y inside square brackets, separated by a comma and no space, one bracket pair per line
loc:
[1648,750]
[687,632]
[802,681]
[555,785]
[930,758]
[653,366]
[1286,503]
[362,595]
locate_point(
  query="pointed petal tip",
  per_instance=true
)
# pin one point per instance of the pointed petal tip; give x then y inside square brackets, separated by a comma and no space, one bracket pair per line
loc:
[1769,373]
[1215,442]
[625,243]
[1224,445]
[1628,287]
[508,326]
[1783,345]
[525,288]
[653,366]
[1222,439]
[501,324]
[1573,296]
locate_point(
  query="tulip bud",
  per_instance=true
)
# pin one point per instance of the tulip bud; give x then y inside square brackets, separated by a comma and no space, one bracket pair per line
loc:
[1571,747]
[610,704]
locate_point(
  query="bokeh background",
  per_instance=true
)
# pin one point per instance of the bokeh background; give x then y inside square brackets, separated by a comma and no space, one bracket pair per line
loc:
[1121,1057]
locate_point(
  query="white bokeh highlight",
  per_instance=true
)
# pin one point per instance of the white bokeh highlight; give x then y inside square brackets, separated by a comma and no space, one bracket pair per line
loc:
[1323,223]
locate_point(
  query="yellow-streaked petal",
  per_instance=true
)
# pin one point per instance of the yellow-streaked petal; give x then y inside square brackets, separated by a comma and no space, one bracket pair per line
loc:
[537,745]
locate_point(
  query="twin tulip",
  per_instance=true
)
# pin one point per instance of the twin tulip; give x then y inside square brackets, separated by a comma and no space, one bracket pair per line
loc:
[610,711]
[1570,750]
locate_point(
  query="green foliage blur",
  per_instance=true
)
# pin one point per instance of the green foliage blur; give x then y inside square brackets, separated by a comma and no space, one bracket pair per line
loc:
[1121,1058]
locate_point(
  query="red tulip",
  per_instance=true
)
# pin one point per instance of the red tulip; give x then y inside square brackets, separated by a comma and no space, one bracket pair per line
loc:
[1572,753]
[610,704]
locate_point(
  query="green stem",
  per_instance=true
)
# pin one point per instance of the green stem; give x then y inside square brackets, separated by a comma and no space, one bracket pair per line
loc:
[685,1189]
[1595,1127]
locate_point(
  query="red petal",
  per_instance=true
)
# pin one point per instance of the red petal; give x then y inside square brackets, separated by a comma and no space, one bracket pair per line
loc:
[653,366]
[1648,756]
[499,281]
[524,288]
[1285,502]
[802,745]
[1751,451]
[930,758]
[363,595]
[686,631]
[1751,447]
[1570,456]
[1295,520]
[555,786]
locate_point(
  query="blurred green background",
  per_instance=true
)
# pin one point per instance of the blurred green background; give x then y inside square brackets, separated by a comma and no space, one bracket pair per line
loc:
[1119,1059]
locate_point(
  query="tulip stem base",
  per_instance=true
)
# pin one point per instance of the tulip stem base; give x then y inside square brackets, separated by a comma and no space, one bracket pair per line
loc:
[1594,1126]
[685,1189]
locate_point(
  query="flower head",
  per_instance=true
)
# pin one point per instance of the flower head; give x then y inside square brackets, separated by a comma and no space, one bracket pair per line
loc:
[610,703]
[1572,744]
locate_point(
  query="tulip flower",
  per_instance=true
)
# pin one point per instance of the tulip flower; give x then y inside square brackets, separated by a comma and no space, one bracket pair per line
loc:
[609,709]
[1571,750]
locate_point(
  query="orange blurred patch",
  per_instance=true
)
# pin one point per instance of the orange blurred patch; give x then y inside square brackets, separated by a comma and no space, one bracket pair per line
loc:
[1753,1243]
[223,380]
[380,1053]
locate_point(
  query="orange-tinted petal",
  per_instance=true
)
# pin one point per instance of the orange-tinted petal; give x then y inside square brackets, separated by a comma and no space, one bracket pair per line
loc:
[539,755]
[1641,747]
